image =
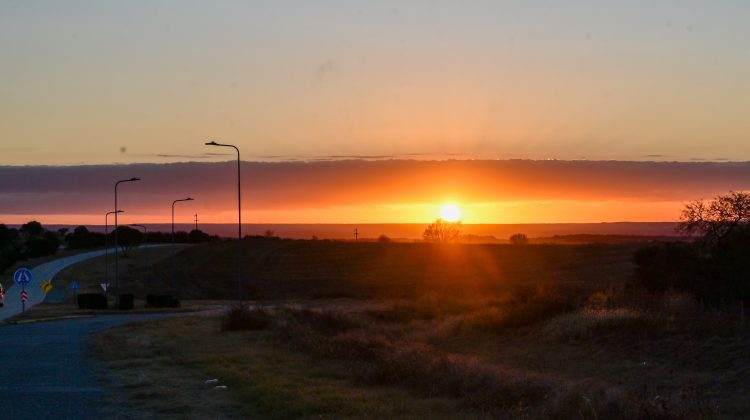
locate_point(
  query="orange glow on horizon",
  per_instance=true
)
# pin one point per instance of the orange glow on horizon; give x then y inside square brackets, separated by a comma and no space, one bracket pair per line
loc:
[551,211]
[358,191]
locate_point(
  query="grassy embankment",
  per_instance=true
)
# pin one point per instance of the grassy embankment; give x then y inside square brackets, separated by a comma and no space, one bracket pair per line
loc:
[460,331]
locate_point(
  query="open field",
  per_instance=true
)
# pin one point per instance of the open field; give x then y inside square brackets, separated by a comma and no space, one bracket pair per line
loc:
[135,270]
[374,330]
[457,331]
[434,359]
[305,269]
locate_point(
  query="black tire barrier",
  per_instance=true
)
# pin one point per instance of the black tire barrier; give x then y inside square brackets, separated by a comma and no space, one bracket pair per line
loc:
[92,301]
[126,302]
[162,301]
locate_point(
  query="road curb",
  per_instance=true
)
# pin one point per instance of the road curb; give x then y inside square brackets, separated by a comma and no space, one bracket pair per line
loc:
[56,318]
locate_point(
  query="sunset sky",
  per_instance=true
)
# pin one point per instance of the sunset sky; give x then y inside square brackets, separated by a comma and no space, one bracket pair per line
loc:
[373,111]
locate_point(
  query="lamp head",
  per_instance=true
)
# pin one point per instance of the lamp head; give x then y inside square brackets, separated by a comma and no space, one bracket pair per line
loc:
[212,143]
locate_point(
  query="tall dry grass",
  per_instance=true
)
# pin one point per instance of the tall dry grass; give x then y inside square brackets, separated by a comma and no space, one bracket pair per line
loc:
[381,354]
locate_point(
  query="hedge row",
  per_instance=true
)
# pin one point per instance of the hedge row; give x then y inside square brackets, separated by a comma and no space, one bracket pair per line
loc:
[92,301]
[162,301]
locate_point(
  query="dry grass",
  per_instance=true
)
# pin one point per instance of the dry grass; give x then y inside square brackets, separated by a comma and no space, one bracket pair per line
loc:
[240,318]
[591,322]
[146,361]
[590,363]
[162,367]
[578,378]
[537,332]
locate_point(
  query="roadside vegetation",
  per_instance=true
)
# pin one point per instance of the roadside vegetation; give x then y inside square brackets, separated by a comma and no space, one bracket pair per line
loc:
[492,331]
[531,354]
[31,240]
[436,330]
[715,268]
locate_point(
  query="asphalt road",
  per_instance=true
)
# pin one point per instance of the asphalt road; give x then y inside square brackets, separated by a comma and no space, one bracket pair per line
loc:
[47,370]
[41,273]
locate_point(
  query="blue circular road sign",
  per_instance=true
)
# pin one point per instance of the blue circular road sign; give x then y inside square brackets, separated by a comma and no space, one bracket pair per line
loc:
[22,276]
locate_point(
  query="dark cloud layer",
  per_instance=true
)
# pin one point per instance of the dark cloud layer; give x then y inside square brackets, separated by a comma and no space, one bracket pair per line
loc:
[291,185]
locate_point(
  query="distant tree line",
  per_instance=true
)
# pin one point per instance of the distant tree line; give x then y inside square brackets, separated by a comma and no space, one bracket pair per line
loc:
[715,268]
[29,241]
[32,240]
[128,237]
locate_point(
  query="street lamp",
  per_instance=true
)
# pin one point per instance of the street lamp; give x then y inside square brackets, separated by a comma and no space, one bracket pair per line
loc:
[117,244]
[106,246]
[239,218]
[174,284]
[145,258]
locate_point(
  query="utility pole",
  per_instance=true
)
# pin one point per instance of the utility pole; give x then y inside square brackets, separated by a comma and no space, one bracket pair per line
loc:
[356,234]
[196,221]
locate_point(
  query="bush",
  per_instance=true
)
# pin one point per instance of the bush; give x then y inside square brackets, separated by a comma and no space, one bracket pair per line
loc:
[240,318]
[518,239]
[666,266]
[383,239]
[92,301]
[126,302]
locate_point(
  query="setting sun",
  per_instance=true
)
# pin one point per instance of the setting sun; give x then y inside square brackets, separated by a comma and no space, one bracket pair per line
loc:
[450,213]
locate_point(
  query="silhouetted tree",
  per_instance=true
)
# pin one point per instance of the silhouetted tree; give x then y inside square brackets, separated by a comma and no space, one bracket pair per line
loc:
[32,229]
[717,266]
[7,236]
[717,220]
[442,231]
[30,240]
[10,250]
[83,238]
[46,244]
[384,239]
[127,238]
[518,239]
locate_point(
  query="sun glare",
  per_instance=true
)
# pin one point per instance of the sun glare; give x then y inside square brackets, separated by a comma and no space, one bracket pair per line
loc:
[450,213]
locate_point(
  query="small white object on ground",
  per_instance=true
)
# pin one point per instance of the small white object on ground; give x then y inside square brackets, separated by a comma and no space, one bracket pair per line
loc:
[220,387]
[212,381]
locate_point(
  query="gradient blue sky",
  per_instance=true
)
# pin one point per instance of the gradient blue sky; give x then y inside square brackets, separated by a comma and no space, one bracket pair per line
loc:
[88,82]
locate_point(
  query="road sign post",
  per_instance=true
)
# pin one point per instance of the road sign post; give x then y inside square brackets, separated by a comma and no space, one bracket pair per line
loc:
[74,287]
[24,296]
[23,277]
[46,286]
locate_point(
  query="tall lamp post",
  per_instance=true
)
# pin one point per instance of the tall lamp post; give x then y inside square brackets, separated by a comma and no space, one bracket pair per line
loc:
[145,240]
[239,218]
[117,244]
[106,246]
[174,284]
